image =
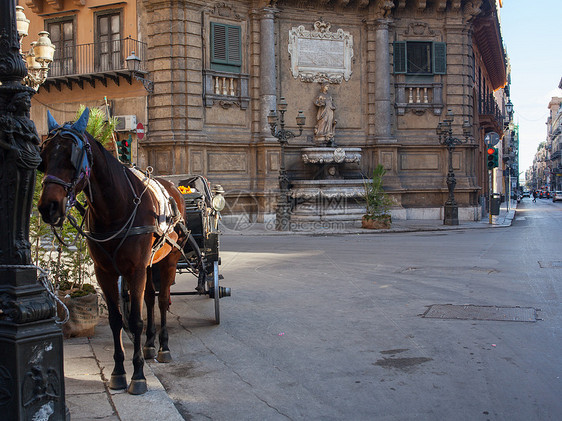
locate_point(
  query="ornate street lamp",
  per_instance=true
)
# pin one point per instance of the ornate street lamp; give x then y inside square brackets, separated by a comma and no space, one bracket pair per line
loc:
[31,344]
[40,55]
[445,132]
[133,65]
[282,214]
[509,108]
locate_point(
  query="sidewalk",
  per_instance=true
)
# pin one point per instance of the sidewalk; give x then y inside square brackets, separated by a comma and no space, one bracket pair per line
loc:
[504,219]
[88,362]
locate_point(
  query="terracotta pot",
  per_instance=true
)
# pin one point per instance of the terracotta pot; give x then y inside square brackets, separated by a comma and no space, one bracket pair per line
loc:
[378,222]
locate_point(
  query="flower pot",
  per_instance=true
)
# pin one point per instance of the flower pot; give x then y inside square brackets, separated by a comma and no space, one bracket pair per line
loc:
[376,222]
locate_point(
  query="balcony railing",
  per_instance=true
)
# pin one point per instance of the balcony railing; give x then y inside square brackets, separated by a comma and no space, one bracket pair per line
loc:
[487,105]
[226,89]
[418,97]
[95,58]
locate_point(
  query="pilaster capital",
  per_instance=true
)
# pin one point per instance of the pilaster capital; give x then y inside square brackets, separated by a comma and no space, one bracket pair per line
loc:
[381,24]
[265,9]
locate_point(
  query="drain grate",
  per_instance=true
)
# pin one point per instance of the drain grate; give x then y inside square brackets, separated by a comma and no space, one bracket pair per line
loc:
[472,312]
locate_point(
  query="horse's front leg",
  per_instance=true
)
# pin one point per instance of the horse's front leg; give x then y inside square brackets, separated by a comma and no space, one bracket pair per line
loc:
[136,289]
[167,276]
[108,284]
[149,349]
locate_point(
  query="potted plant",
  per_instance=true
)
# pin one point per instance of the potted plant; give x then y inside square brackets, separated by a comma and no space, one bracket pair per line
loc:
[70,271]
[68,262]
[377,202]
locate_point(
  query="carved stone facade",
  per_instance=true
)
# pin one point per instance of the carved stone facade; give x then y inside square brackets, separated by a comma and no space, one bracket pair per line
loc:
[204,121]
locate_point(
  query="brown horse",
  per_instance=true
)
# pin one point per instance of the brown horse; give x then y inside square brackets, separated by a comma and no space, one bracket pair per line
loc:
[122,220]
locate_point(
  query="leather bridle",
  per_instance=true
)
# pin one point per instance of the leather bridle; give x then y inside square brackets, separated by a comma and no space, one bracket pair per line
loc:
[81,159]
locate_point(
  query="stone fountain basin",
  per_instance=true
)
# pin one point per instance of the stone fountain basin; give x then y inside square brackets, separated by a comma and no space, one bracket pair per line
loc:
[326,155]
[311,189]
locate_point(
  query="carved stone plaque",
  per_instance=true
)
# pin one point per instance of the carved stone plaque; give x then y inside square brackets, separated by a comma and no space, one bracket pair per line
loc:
[320,55]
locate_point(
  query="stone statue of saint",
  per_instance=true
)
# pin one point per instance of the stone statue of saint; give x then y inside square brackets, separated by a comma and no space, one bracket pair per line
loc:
[325,121]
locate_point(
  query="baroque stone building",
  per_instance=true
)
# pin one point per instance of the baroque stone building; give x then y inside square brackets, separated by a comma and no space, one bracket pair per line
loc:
[219,68]
[393,69]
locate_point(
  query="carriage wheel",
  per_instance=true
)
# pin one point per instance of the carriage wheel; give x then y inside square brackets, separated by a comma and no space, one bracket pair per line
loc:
[124,302]
[216,291]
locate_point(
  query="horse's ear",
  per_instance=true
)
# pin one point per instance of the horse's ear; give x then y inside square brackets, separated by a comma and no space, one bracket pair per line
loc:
[82,122]
[51,122]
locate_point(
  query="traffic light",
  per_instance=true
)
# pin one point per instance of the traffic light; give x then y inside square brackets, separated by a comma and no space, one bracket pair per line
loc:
[124,147]
[492,158]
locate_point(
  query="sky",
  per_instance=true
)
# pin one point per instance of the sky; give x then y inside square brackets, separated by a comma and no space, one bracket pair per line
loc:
[532,34]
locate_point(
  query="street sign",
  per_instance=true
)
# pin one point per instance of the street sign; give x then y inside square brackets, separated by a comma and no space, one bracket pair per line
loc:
[140,131]
[491,139]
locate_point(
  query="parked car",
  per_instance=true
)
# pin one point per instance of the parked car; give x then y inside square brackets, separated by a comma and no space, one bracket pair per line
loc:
[526,193]
[556,196]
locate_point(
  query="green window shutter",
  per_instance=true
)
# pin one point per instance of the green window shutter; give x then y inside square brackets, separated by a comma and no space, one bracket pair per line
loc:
[400,57]
[439,58]
[226,47]
[234,45]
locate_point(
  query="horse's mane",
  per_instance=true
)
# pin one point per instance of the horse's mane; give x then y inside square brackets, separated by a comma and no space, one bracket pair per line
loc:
[114,166]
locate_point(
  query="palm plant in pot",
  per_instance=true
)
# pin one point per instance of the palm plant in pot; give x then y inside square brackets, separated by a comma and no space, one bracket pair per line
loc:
[377,202]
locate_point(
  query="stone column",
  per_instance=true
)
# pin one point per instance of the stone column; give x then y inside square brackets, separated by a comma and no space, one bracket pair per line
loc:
[268,74]
[382,132]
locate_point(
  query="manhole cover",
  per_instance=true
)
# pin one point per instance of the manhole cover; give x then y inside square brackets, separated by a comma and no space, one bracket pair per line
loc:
[472,312]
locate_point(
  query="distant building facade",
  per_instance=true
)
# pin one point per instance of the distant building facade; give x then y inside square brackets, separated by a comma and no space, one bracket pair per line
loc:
[554,143]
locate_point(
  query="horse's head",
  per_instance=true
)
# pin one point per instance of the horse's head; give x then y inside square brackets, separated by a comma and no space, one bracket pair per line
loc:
[66,161]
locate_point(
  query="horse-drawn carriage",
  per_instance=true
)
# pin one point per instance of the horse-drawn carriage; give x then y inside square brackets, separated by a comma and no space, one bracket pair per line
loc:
[200,255]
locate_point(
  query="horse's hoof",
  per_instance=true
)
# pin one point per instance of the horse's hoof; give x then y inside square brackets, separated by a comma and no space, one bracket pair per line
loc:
[164,357]
[118,381]
[137,387]
[149,352]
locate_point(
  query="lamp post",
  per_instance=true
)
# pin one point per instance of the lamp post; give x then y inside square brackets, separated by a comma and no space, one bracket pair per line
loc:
[445,132]
[31,345]
[282,215]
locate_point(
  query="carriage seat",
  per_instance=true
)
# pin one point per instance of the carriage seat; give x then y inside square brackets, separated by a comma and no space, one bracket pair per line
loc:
[167,215]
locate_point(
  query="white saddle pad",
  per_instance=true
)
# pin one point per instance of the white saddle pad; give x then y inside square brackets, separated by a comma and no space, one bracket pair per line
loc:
[165,215]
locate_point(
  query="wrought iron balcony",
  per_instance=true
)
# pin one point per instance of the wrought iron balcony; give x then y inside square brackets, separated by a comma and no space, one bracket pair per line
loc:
[75,64]
[556,155]
[490,113]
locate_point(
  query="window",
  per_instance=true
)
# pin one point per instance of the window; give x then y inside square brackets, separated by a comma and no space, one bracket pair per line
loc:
[108,45]
[62,36]
[420,57]
[226,48]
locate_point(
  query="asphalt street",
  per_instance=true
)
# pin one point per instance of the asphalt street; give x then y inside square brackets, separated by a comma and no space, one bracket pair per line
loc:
[330,327]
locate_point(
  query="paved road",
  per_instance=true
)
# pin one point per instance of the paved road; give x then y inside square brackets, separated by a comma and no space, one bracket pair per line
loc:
[330,327]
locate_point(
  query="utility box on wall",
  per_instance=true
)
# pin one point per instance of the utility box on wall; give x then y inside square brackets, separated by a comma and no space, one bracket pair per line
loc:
[126,123]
